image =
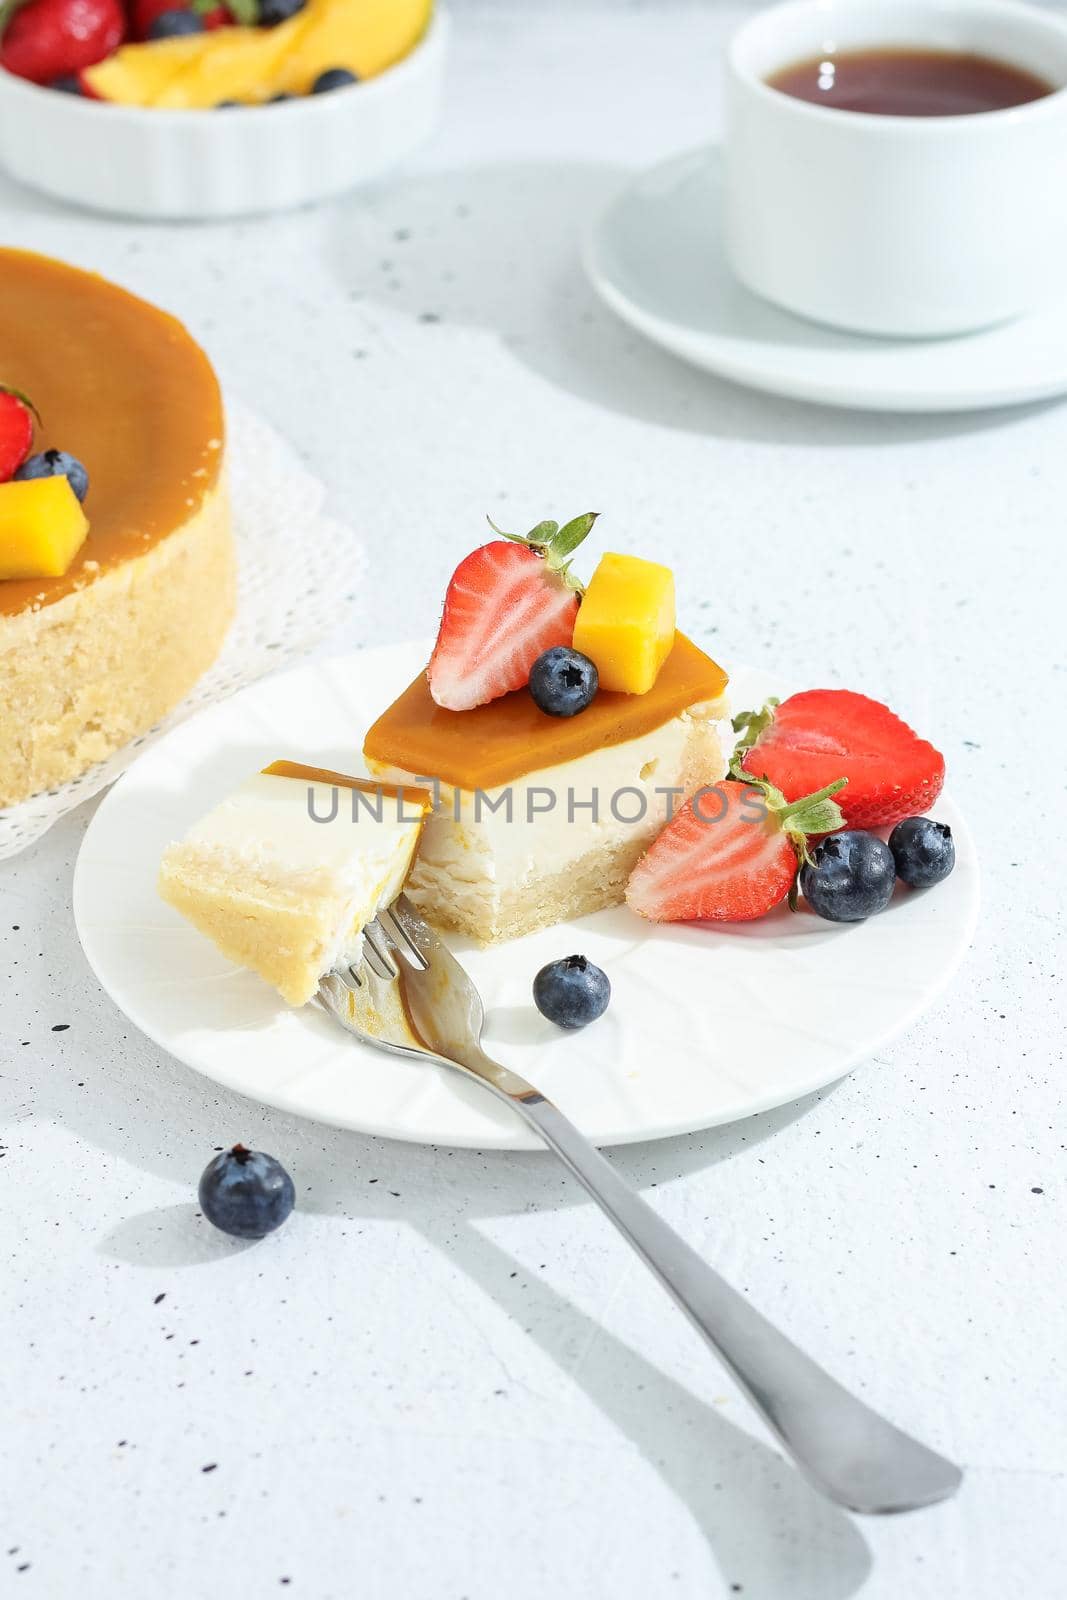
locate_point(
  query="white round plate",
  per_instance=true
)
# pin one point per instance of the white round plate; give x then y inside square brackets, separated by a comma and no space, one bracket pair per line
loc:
[657,257]
[706,1024]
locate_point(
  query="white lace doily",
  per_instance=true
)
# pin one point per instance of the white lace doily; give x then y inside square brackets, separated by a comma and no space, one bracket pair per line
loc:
[284,605]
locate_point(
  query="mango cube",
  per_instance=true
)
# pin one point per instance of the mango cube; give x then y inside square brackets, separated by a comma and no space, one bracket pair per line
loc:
[626,622]
[42,528]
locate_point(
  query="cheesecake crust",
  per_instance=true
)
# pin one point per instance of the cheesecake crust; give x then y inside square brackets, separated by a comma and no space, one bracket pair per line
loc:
[82,677]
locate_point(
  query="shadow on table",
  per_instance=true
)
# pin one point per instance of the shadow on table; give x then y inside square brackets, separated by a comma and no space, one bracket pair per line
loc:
[339,1173]
[142,1107]
[769,1531]
[497,248]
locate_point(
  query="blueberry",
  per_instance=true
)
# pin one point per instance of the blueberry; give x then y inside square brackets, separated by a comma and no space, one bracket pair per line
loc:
[57,464]
[851,878]
[571,992]
[563,681]
[923,851]
[333,78]
[69,83]
[246,1193]
[271,12]
[173,24]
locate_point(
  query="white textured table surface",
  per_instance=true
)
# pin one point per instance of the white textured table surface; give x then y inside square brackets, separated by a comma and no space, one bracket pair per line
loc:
[446,1379]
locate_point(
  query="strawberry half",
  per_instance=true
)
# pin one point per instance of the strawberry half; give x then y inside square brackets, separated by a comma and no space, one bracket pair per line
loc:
[506,603]
[16,431]
[829,733]
[730,855]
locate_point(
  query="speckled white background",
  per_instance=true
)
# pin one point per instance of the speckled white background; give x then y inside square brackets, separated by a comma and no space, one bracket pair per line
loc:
[446,1379]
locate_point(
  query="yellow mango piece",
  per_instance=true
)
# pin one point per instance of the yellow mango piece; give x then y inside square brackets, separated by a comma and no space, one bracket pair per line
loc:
[240,64]
[366,36]
[42,528]
[626,622]
[138,73]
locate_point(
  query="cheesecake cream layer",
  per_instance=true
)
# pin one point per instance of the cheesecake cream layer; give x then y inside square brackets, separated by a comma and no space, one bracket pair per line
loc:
[561,841]
[284,875]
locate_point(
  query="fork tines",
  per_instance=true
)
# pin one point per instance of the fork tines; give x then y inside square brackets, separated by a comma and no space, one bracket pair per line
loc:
[377,951]
[388,936]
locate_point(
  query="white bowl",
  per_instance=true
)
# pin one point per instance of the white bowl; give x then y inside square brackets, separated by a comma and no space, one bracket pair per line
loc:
[141,162]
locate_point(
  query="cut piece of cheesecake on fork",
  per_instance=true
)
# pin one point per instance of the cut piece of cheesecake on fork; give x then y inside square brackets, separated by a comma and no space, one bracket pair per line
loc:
[285,873]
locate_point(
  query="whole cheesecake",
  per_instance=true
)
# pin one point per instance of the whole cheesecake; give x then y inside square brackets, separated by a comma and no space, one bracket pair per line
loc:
[92,659]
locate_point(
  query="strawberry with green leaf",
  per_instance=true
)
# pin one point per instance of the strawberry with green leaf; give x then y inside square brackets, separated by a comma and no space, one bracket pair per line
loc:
[731,854]
[506,603]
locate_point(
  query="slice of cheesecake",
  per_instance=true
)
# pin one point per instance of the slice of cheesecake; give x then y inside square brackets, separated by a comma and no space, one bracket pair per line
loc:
[538,818]
[284,875]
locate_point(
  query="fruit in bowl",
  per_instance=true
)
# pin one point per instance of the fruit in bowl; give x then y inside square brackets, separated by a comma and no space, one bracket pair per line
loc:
[303,66]
[200,55]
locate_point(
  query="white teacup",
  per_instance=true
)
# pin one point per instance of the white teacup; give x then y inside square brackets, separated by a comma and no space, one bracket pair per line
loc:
[899,225]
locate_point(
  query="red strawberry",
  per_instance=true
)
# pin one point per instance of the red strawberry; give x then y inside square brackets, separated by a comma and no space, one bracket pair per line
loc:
[831,733]
[16,431]
[49,39]
[730,854]
[506,603]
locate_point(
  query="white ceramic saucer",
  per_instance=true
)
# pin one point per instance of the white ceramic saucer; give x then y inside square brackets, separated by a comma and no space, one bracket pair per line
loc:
[705,1024]
[657,258]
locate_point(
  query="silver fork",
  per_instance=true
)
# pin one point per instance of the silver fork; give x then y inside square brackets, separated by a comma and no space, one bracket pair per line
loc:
[410,995]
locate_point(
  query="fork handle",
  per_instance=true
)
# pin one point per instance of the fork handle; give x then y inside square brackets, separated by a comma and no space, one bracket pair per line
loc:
[847,1450]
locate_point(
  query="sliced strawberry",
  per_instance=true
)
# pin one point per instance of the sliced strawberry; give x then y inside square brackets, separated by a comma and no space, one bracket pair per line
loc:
[730,854]
[829,733]
[506,603]
[49,39]
[16,431]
